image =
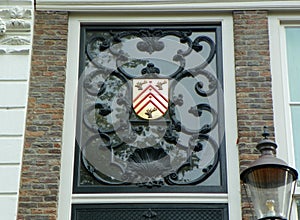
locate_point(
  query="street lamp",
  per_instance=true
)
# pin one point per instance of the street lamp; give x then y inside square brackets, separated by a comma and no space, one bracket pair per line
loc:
[269,182]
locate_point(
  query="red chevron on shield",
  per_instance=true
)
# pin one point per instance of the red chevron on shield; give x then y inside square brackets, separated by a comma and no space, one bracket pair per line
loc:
[150,97]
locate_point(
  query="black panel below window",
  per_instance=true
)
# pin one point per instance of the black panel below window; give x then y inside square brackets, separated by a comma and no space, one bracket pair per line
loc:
[150,211]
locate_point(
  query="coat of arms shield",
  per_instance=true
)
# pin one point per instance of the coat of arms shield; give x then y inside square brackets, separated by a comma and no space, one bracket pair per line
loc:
[150,97]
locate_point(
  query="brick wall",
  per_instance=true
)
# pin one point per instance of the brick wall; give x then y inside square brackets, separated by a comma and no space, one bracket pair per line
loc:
[253,85]
[41,159]
[38,195]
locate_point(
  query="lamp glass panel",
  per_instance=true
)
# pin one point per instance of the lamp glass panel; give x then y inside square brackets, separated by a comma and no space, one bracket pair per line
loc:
[270,191]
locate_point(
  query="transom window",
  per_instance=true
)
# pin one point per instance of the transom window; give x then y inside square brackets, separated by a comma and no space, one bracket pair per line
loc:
[150,110]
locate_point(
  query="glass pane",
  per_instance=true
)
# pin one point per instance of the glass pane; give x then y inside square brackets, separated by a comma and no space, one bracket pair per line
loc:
[150,110]
[293,51]
[295,110]
[298,207]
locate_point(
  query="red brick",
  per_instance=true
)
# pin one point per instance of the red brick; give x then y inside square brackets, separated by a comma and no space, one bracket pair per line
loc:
[41,159]
[254,99]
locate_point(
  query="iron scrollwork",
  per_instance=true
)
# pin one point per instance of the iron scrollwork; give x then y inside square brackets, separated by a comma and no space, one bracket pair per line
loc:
[120,148]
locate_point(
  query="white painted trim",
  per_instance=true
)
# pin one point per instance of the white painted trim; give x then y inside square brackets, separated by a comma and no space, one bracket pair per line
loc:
[165,5]
[233,177]
[294,103]
[276,57]
[280,87]
[148,18]
[149,198]
[68,140]
[6,194]
[65,197]
[11,135]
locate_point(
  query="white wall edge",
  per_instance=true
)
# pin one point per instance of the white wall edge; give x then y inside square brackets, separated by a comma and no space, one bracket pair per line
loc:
[31,7]
[92,5]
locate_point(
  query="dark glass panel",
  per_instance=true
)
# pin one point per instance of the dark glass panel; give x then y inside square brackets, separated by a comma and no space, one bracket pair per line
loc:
[150,110]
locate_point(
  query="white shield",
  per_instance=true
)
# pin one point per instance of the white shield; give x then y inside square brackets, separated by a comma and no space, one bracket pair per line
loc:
[150,97]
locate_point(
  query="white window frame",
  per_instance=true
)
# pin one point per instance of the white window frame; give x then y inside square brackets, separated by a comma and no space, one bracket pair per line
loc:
[66,198]
[280,90]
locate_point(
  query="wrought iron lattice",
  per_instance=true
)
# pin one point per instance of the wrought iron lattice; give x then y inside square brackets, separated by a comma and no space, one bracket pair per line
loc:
[150,212]
[150,110]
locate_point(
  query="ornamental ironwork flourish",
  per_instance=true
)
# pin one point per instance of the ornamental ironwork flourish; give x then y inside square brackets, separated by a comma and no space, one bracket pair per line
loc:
[182,145]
